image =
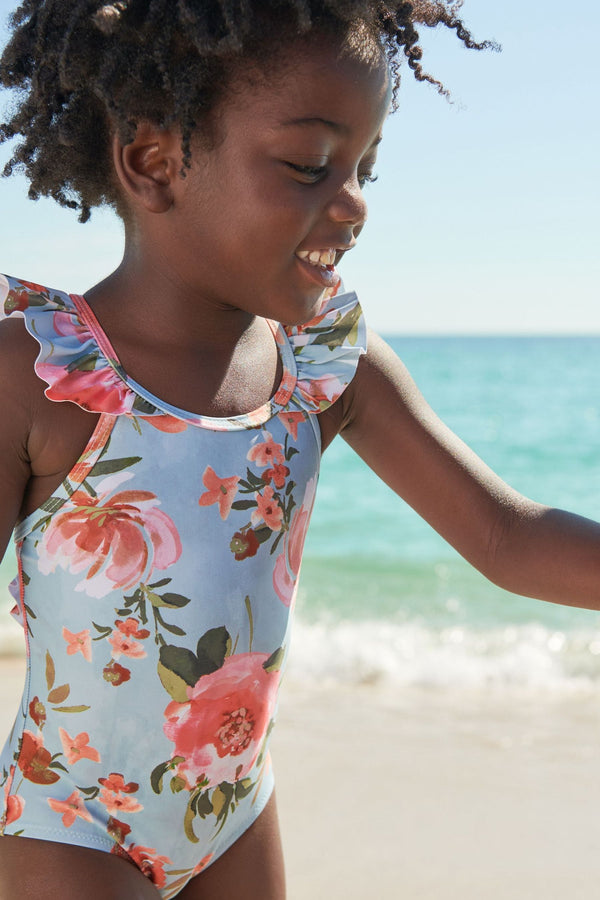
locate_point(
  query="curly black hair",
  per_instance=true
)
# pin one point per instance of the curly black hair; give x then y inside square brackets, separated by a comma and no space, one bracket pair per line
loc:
[85,69]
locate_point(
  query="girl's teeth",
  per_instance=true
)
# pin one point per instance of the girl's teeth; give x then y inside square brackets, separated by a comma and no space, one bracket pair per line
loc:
[317,257]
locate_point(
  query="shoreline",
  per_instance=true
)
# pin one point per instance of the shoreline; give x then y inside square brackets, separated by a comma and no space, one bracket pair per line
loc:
[429,794]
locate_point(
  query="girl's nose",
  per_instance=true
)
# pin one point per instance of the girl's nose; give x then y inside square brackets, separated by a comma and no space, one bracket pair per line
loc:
[349,205]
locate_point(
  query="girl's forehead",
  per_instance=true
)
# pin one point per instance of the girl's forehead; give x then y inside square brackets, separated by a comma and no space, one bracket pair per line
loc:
[314,77]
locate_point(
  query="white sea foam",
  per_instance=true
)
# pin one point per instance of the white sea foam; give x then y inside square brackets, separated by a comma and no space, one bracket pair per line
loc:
[388,654]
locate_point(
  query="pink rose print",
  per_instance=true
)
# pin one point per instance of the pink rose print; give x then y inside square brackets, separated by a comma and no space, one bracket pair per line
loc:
[287,564]
[269,511]
[321,392]
[78,747]
[118,539]
[13,803]
[80,642]
[167,423]
[220,729]
[220,490]
[115,795]
[68,325]
[147,860]
[96,390]
[266,452]
[71,808]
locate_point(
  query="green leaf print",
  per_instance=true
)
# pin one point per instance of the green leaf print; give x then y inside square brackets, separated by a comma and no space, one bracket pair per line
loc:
[243,788]
[243,504]
[71,709]
[273,663]
[85,363]
[143,406]
[110,466]
[173,684]
[59,694]
[188,820]
[171,601]
[263,533]
[182,662]
[213,647]
[50,671]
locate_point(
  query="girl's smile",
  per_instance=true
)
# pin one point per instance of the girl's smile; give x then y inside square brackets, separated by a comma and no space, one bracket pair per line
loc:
[266,213]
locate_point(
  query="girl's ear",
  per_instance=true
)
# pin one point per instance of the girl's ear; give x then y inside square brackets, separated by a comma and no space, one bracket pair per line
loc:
[148,166]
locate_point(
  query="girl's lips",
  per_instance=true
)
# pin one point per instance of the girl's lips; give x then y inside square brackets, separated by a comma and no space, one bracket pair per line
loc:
[325,276]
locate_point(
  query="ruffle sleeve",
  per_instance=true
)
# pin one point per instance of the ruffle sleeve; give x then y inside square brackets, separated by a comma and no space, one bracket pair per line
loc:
[70,360]
[327,350]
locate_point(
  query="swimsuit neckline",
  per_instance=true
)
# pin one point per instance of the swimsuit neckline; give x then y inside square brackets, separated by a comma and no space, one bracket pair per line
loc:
[252,418]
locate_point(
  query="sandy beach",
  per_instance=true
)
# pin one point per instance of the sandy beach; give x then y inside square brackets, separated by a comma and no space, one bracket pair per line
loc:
[441,795]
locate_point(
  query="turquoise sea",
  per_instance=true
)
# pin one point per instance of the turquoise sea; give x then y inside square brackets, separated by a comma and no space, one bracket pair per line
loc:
[383,599]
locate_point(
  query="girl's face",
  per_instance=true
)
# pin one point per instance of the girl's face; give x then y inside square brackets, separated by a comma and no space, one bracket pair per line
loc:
[284,178]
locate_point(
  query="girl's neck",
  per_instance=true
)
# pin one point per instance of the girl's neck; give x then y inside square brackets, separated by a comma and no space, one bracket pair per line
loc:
[147,297]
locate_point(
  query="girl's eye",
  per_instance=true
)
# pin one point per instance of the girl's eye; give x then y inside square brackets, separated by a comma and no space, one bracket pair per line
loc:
[366,178]
[312,174]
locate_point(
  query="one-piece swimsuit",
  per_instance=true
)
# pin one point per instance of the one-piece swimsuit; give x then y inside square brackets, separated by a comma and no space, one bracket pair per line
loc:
[155,588]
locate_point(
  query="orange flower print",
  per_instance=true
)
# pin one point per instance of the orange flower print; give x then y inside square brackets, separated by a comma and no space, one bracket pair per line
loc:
[80,642]
[122,639]
[269,511]
[37,711]
[277,474]
[71,808]
[117,830]
[151,864]
[115,795]
[291,420]
[267,452]
[78,747]
[244,544]
[34,760]
[220,490]
[185,876]
[287,385]
[130,627]
[115,674]
[13,803]
[125,646]
[219,731]
[117,538]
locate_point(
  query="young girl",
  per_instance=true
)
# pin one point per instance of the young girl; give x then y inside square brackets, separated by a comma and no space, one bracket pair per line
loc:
[162,449]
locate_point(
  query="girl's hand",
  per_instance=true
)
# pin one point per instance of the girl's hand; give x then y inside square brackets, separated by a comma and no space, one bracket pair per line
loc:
[520,545]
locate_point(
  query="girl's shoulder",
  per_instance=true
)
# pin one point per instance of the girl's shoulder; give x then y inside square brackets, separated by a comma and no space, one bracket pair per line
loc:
[71,358]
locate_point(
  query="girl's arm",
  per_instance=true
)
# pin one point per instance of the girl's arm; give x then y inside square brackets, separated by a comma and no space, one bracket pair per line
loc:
[18,402]
[518,544]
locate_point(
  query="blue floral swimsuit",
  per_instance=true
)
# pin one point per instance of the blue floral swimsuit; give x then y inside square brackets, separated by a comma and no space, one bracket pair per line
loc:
[155,588]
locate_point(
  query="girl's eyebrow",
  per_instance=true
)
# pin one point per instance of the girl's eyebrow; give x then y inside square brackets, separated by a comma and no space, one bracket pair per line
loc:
[317,120]
[335,126]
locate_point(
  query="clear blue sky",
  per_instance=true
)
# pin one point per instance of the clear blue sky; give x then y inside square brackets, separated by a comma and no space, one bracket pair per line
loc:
[486,215]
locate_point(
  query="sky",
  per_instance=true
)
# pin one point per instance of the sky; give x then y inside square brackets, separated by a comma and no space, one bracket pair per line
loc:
[485,218]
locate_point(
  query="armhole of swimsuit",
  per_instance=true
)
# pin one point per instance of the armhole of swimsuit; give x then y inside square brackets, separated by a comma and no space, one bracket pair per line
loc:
[77,475]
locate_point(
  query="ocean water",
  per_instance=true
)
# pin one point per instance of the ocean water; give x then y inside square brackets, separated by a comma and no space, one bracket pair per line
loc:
[384,600]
